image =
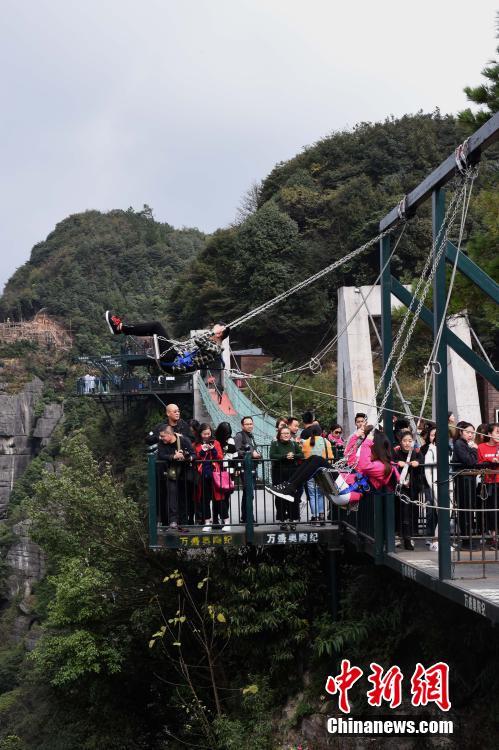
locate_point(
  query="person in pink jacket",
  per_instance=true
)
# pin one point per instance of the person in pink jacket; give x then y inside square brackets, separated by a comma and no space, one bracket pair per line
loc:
[368,454]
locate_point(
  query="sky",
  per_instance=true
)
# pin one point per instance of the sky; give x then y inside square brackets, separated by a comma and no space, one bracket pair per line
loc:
[183,104]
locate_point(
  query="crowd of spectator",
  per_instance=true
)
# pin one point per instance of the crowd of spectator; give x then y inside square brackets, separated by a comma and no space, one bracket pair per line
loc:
[199,467]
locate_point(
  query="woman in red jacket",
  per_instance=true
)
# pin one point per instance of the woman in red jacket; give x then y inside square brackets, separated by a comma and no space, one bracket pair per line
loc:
[209,454]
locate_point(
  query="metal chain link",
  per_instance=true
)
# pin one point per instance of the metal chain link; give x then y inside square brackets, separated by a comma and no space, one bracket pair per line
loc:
[448,222]
[310,280]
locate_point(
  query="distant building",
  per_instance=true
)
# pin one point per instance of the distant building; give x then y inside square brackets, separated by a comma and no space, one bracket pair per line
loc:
[249,360]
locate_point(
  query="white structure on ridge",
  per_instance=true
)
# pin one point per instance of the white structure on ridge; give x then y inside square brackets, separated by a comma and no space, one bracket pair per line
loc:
[355,375]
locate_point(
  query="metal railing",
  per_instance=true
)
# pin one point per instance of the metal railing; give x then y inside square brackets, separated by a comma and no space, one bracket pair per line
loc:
[473,515]
[127,385]
[186,500]
[264,424]
[382,518]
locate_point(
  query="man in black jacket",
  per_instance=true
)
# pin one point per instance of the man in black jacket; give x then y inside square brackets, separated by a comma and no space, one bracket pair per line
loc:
[175,452]
[173,419]
[245,443]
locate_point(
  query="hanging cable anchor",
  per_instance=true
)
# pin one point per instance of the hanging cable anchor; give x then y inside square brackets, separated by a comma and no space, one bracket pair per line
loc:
[436,367]
[402,209]
[315,366]
[461,157]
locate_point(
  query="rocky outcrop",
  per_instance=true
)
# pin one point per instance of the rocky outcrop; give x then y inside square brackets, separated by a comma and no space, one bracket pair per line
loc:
[17,421]
[27,566]
[26,562]
[47,423]
[22,434]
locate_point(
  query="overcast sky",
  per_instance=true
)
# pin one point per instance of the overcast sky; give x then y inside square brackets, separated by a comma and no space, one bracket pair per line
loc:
[182,104]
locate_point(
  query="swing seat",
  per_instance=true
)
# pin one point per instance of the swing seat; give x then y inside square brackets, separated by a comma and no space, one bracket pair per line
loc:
[326,483]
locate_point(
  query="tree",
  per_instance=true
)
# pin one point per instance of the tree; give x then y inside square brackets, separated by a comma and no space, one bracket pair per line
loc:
[486,94]
[248,203]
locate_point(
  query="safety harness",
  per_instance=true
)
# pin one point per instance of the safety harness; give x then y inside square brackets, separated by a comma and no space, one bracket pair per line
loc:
[361,485]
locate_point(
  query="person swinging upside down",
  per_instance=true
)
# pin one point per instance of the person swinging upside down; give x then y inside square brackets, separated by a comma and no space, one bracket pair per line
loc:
[198,352]
[373,466]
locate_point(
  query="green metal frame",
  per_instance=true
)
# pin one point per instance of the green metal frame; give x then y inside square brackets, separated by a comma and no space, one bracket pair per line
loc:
[153,511]
[432,187]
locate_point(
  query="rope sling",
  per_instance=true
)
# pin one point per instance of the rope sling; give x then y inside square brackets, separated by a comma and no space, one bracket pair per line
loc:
[184,345]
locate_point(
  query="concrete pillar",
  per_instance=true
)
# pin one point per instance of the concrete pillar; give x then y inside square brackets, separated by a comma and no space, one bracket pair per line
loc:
[463,389]
[355,376]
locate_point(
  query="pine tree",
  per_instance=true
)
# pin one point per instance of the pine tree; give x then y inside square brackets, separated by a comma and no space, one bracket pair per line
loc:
[486,94]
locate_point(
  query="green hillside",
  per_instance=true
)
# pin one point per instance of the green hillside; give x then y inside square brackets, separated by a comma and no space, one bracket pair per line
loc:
[312,210]
[124,260]
[121,664]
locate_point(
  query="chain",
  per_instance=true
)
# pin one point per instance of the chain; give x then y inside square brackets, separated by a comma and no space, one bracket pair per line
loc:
[448,222]
[310,280]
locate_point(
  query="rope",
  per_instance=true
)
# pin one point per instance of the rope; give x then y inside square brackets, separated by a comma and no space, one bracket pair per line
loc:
[434,365]
[306,282]
[397,386]
[332,343]
[407,500]
[314,364]
[422,289]
[486,356]
[246,376]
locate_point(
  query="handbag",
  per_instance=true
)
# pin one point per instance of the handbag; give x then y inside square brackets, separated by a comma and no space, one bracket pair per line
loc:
[223,481]
[171,473]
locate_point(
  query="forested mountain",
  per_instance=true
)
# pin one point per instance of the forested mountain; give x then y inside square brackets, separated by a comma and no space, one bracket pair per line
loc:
[123,260]
[117,656]
[312,210]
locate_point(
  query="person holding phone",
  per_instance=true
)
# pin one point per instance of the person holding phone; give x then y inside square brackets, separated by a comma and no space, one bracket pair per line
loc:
[209,455]
[175,452]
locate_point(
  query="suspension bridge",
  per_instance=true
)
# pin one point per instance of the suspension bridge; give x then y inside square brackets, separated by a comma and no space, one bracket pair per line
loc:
[469,579]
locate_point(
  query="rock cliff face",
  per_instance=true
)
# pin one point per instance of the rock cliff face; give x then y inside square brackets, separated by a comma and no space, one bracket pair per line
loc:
[17,420]
[27,565]
[22,435]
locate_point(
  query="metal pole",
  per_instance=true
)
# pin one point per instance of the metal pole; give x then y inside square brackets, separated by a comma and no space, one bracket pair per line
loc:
[440,396]
[378,528]
[386,336]
[153,512]
[248,486]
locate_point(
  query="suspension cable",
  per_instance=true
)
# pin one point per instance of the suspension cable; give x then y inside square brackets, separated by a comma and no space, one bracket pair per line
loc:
[310,280]
[432,362]
[422,289]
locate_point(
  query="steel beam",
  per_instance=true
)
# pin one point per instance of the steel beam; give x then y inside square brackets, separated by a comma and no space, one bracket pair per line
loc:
[464,351]
[152,486]
[440,395]
[477,142]
[473,272]
[387,337]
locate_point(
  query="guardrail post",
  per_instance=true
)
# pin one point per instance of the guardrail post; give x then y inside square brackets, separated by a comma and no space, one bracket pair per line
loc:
[386,335]
[440,396]
[333,583]
[389,500]
[152,485]
[379,535]
[249,495]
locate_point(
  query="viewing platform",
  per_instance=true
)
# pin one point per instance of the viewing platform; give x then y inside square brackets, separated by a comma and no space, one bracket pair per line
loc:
[374,530]
[130,373]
